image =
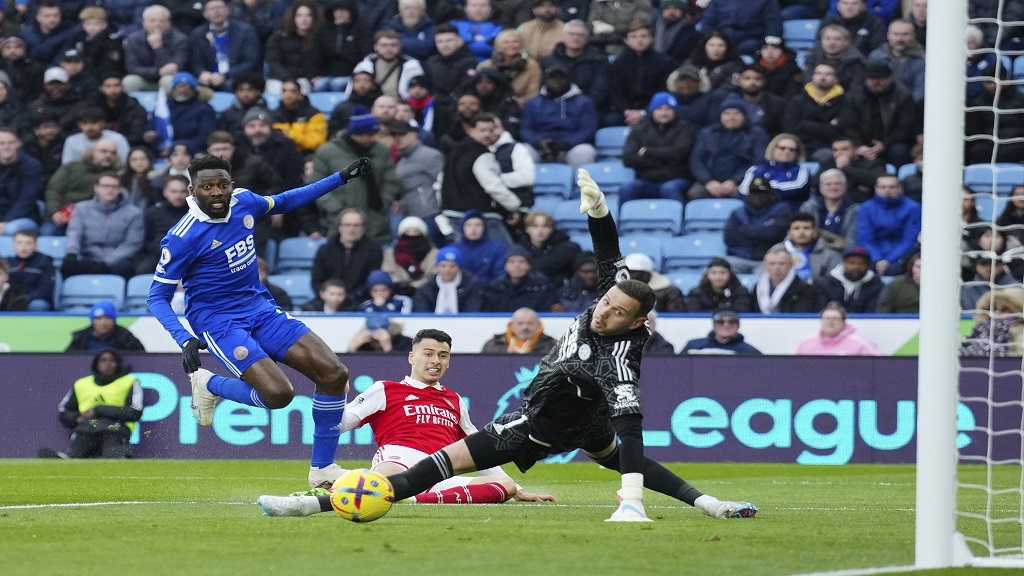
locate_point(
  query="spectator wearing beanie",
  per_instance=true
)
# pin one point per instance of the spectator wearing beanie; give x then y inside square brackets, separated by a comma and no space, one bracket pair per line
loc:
[520,286]
[382,298]
[452,289]
[654,148]
[411,261]
[481,255]
[580,292]
[724,150]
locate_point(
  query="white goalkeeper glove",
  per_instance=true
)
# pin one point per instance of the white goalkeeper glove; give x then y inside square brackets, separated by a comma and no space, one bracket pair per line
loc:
[591,198]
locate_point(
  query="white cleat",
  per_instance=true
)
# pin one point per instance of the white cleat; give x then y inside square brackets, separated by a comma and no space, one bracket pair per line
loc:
[630,511]
[727,509]
[204,402]
[325,477]
[288,505]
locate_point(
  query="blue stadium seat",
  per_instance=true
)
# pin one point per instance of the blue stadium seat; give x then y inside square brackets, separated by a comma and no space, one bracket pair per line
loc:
[272,100]
[296,254]
[1003,176]
[906,170]
[685,280]
[644,244]
[296,285]
[708,214]
[54,247]
[554,179]
[659,216]
[270,254]
[221,101]
[83,291]
[610,141]
[583,239]
[1018,72]
[610,175]
[691,251]
[990,207]
[545,203]
[6,246]
[800,34]
[812,167]
[147,100]
[137,292]
[749,281]
[568,218]
[326,101]
[890,169]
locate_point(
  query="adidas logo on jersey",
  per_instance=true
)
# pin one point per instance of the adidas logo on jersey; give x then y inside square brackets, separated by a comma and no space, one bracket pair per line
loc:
[215,244]
[411,397]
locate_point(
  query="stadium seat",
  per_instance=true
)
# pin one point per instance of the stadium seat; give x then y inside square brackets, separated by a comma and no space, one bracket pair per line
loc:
[812,167]
[568,218]
[685,280]
[221,101]
[137,292]
[990,207]
[54,247]
[800,34]
[906,170]
[326,101]
[749,281]
[1018,72]
[296,254]
[6,246]
[583,239]
[554,179]
[890,169]
[661,217]
[83,291]
[147,100]
[296,285]
[708,214]
[644,244]
[610,141]
[272,100]
[691,252]
[270,253]
[545,203]
[610,175]
[1002,175]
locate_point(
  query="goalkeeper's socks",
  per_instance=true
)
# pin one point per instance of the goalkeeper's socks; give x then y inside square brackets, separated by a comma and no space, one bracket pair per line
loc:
[708,504]
[327,413]
[236,390]
[489,493]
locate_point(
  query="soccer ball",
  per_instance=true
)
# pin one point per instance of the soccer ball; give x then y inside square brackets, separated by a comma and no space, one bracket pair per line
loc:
[362,495]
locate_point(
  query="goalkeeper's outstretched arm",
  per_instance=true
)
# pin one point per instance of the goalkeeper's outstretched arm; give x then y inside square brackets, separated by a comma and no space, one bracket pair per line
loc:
[605,236]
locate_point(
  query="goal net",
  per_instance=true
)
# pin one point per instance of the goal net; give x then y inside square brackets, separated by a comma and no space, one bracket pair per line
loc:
[971,403]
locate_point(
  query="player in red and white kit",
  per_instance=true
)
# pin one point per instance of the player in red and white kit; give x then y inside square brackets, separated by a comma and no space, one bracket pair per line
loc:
[410,420]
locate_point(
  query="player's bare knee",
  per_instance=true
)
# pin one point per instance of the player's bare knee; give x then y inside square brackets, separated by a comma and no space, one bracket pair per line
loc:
[333,379]
[279,397]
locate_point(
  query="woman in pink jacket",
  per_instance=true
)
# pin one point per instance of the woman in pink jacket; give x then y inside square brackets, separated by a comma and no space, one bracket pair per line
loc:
[836,337]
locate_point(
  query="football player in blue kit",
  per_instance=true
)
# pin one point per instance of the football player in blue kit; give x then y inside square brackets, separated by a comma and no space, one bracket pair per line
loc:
[212,252]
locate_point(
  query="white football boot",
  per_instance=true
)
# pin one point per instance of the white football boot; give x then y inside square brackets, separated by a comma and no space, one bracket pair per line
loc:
[204,402]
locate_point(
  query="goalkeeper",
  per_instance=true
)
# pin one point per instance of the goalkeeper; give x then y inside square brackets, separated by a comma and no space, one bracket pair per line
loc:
[584,396]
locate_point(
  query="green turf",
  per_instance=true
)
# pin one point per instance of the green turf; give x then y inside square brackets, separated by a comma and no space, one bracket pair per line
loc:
[198,518]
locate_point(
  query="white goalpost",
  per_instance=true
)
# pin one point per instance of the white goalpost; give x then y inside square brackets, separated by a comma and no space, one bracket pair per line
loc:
[979,523]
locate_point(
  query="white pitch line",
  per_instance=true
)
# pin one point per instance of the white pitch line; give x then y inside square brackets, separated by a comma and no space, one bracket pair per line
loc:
[863,571]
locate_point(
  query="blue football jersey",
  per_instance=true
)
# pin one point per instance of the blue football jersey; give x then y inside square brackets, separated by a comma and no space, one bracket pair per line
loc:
[215,258]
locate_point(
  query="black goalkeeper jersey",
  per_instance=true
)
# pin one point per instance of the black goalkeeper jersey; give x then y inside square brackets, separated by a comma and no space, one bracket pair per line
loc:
[587,379]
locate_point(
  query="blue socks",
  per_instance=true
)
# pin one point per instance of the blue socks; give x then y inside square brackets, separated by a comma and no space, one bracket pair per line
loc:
[236,390]
[327,413]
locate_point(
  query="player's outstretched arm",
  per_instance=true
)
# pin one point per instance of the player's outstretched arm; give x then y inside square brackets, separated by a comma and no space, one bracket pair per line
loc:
[292,199]
[527,496]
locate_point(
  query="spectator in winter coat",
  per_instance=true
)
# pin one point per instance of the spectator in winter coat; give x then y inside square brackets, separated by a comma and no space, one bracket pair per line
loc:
[695,106]
[866,30]
[59,98]
[105,234]
[903,294]
[755,227]
[724,151]
[415,29]
[835,216]
[161,217]
[380,289]
[675,29]
[50,33]
[852,283]
[784,170]
[779,290]
[543,32]
[813,260]
[478,29]
[611,22]
[637,74]
[724,338]
[452,290]
[552,252]
[122,112]
[888,118]
[904,56]
[581,290]
[657,345]
[33,270]
[104,332]
[417,168]
[26,75]
[888,225]
[349,256]
[299,120]
[223,48]
[391,69]
[524,335]
[859,172]
[836,337]
[654,148]
[668,298]
[20,179]
[520,286]
[782,73]
[479,254]
[587,64]
[718,59]
[294,50]
[990,271]
[820,113]
[73,182]
[764,108]
[191,119]
[835,47]
[559,124]
[411,261]
[346,40]
[746,21]
[719,289]
[156,52]
[447,71]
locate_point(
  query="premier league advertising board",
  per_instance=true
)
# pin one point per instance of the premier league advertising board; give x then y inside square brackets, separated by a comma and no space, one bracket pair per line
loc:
[807,410]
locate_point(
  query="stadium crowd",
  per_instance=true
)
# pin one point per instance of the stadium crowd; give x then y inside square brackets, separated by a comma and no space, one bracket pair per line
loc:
[812,154]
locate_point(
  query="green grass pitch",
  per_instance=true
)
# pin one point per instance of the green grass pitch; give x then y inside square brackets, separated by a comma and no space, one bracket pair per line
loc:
[156,517]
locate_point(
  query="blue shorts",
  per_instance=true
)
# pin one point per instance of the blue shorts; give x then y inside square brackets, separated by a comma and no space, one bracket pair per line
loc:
[241,342]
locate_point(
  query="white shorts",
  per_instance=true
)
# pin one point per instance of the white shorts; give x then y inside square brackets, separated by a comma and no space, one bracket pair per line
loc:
[405,457]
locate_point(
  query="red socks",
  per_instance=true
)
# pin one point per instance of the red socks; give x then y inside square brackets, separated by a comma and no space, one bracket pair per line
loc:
[489,493]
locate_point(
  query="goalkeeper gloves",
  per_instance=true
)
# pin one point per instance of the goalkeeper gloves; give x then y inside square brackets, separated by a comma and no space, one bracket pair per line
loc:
[360,167]
[591,198]
[190,354]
